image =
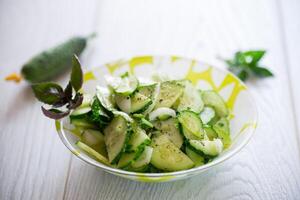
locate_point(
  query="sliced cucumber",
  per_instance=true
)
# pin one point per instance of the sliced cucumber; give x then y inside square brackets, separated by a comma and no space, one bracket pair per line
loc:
[147,90]
[170,129]
[87,99]
[123,102]
[138,140]
[191,125]
[195,157]
[162,114]
[210,132]
[125,160]
[132,162]
[81,111]
[170,91]
[99,113]
[166,156]
[145,124]
[144,159]
[85,106]
[139,103]
[115,136]
[191,100]
[223,131]
[214,100]
[207,114]
[105,98]
[94,139]
[154,98]
[125,85]
[211,148]
[123,114]
[82,123]
[92,153]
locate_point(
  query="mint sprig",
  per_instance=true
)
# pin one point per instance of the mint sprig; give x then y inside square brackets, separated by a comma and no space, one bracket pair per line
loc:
[62,101]
[246,64]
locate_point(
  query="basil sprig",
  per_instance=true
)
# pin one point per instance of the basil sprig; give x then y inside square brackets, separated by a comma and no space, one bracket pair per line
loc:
[246,64]
[62,101]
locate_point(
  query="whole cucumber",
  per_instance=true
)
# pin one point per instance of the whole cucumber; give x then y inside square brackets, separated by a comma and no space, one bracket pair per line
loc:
[51,63]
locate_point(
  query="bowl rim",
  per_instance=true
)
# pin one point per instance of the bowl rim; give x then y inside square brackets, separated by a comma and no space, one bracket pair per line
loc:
[239,147]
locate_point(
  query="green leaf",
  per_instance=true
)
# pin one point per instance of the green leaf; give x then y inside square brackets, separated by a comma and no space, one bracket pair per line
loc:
[243,75]
[76,75]
[246,64]
[262,72]
[254,56]
[49,93]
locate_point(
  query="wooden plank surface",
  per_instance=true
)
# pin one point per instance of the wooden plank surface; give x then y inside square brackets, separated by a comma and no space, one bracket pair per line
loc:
[33,162]
[35,165]
[291,40]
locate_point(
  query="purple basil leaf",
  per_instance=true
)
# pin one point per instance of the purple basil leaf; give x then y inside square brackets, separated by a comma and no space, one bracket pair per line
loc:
[60,103]
[49,93]
[54,113]
[68,92]
[76,75]
[77,101]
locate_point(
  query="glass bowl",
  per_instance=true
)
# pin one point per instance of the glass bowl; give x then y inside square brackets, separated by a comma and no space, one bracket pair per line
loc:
[235,93]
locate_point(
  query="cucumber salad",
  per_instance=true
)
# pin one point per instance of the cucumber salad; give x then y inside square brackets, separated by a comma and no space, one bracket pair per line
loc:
[159,126]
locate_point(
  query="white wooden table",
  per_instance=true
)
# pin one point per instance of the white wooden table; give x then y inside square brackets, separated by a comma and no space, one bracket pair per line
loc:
[35,164]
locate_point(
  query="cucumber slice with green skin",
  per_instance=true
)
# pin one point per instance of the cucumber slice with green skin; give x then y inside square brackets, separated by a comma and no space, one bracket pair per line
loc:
[170,129]
[170,91]
[214,100]
[144,158]
[139,103]
[162,114]
[221,127]
[125,160]
[211,148]
[195,157]
[166,156]
[154,98]
[123,102]
[147,90]
[191,100]
[95,140]
[87,100]
[92,153]
[81,111]
[138,140]
[191,124]
[85,106]
[105,98]
[123,114]
[133,162]
[116,135]
[99,114]
[125,85]
[207,115]
[210,132]
[145,124]
[82,123]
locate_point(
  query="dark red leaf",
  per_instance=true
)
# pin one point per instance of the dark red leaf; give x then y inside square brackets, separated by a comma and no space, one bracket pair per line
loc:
[54,113]
[77,101]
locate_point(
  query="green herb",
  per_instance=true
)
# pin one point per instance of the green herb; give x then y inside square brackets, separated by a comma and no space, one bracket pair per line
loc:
[51,63]
[53,94]
[76,75]
[246,64]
